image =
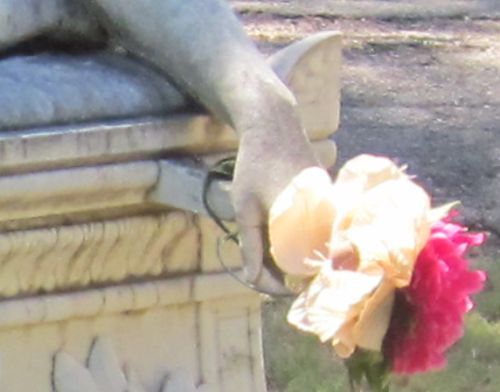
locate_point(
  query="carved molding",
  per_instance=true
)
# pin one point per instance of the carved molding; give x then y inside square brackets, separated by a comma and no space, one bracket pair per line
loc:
[84,144]
[104,373]
[76,190]
[76,256]
[52,197]
[120,298]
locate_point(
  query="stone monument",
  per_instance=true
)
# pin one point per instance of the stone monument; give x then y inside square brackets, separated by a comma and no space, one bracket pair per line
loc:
[110,276]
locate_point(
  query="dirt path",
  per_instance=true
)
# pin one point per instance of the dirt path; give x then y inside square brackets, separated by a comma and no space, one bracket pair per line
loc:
[424,90]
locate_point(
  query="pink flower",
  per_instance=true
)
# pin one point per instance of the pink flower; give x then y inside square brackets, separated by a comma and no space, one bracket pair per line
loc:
[429,314]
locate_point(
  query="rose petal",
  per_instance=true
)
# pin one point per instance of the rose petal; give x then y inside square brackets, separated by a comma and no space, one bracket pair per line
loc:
[300,222]
[390,227]
[374,319]
[368,171]
[344,342]
[429,313]
[331,300]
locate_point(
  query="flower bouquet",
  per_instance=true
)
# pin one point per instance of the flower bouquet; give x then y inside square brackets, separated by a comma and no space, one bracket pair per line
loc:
[379,273]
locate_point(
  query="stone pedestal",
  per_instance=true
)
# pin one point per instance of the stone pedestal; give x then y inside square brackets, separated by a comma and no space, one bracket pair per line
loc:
[109,275]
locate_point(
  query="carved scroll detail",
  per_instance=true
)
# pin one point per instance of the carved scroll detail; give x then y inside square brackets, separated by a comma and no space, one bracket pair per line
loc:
[104,373]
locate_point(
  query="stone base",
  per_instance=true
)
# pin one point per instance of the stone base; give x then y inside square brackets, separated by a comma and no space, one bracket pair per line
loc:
[168,335]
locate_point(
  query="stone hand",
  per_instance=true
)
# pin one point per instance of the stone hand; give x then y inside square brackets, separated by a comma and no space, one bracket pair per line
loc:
[268,159]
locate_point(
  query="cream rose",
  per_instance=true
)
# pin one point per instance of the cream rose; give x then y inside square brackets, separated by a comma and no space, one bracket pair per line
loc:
[356,240]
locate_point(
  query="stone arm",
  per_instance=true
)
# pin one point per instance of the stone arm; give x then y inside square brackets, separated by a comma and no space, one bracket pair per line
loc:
[202,47]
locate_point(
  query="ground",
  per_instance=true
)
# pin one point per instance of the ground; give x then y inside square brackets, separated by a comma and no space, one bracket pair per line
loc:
[421,84]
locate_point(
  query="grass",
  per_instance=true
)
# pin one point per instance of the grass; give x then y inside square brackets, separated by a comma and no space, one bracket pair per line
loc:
[473,362]
[296,362]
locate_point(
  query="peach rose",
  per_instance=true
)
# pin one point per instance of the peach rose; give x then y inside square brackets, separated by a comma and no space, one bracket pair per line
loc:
[357,240]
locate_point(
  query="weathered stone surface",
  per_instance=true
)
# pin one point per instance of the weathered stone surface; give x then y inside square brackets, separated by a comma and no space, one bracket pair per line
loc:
[58,89]
[76,190]
[112,141]
[306,68]
[155,332]
[96,253]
